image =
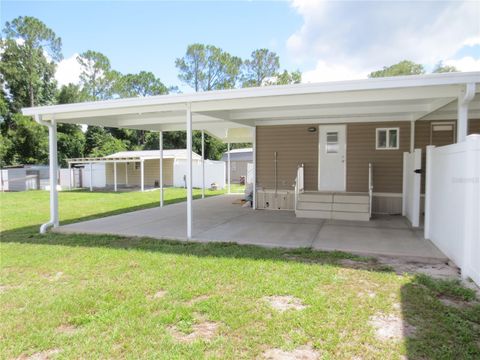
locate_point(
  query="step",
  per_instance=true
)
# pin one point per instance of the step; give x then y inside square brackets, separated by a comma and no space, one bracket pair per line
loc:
[309,205]
[313,214]
[315,197]
[347,215]
[351,199]
[350,207]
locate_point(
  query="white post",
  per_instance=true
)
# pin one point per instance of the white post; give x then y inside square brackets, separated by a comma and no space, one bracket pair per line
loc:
[404,184]
[203,164]
[115,176]
[69,175]
[462,111]
[126,174]
[412,136]
[142,175]
[428,191]
[228,167]
[91,177]
[254,154]
[52,135]
[189,171]
[160,146]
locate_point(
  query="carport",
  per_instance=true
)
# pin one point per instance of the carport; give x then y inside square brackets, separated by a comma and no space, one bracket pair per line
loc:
[234,115]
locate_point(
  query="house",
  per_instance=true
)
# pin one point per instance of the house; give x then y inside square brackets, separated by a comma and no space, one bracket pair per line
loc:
[239,160]
[24,177]
[141,169]
[336,150]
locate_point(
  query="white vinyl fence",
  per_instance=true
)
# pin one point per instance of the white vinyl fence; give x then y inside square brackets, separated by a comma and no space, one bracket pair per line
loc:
[412,164]
[452,203]
[214,173]
[98,175]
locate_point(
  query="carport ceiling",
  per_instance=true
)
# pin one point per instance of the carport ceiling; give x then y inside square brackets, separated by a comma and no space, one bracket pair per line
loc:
[229,114]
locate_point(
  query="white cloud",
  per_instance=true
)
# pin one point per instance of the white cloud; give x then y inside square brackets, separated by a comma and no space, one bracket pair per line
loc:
[361,36]
[68,71]
[331,72]
[466,63]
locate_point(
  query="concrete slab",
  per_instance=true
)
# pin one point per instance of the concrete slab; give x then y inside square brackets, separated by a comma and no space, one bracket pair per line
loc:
[218,219]
[377,239]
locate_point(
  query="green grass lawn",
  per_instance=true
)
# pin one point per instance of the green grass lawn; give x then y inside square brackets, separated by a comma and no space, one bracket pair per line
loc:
[85,296]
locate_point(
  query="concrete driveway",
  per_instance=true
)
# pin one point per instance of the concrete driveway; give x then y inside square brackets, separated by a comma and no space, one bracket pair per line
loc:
[219,219]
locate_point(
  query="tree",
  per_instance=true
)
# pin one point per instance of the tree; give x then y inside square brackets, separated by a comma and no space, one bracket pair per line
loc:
[29,141]
[97,79]
[142,84]
[28,74]
[70,139]
[206,67]
[285,78]
[404,67]
[262,65]
[440,68]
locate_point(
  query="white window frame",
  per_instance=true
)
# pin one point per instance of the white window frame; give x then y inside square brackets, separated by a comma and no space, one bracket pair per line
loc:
[387,131]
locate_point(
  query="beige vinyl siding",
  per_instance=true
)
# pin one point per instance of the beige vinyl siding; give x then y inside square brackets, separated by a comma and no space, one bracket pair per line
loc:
[294,145]
[423,137]
[387,164]
[152,173]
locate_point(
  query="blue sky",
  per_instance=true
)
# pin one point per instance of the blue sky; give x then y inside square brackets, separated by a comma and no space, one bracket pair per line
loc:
[325,40]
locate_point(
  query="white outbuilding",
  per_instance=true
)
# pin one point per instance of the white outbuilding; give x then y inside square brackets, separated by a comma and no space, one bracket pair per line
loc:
[141,169]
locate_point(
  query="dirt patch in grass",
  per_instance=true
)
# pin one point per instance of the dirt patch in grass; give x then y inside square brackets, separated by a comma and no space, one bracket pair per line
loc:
[5,288]
[53,277]
[456,303]
[440,270]
[284,303]
[202,331]
[391,327]
[43,355]
[67,329]
[365,294]
[198,299]
[301,353]
[158,295]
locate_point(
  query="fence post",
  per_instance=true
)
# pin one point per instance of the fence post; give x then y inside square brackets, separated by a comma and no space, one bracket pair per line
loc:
[428,190]
[472,199]
[404,185]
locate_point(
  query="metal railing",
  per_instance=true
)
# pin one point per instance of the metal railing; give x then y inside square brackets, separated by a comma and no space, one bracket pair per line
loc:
[370,188]
[299,183]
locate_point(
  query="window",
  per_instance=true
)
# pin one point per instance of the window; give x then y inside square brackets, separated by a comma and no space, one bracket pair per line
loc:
[332,142]
[387,139]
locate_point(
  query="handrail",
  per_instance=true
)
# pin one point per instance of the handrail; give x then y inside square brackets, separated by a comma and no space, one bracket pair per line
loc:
[370,188]
[299,183]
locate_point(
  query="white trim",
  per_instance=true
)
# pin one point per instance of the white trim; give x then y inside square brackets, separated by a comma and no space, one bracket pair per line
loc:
[387,140]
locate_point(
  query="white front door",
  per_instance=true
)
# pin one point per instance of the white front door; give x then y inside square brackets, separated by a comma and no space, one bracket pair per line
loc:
[331,158]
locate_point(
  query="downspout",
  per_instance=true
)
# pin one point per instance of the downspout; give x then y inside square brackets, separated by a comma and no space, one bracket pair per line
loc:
[52,142]
[464,100]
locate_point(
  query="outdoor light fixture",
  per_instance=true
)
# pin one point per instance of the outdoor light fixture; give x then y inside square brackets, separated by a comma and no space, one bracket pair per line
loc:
[312,129]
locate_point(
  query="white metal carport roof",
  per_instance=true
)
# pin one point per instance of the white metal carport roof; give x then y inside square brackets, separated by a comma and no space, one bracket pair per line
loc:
[229,114]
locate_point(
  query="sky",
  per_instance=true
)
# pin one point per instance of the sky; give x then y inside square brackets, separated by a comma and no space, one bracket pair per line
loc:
[326,40]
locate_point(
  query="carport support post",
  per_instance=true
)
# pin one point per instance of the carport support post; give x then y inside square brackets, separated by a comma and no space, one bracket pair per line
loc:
[228,167]
[70,176]
[189,171]
[160,146]
[203,164]
[91,177]
[52,135]
[142,175]
[115,176]
[464,99]
[126,173]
